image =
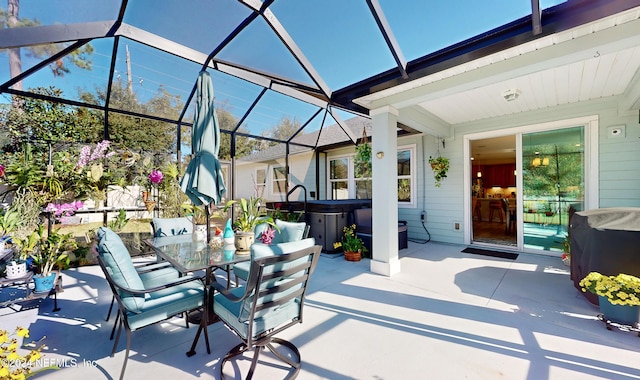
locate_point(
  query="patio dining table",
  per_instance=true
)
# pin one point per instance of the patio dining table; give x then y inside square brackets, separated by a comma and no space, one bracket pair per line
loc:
[187,255]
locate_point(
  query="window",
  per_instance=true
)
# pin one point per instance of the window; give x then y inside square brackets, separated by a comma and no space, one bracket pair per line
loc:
[279,180]
[405,176]
[260,182]
[339,177]
[344,184]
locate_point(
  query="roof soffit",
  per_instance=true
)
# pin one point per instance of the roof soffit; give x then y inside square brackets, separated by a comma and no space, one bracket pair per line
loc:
[547,52]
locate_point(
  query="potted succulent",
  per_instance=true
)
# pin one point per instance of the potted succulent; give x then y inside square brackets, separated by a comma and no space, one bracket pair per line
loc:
[47,251]
[351,244]
[249,215]
[618,296]
[440,167]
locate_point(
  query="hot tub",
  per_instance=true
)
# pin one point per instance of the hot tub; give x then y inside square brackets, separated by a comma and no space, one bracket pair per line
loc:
[326,218]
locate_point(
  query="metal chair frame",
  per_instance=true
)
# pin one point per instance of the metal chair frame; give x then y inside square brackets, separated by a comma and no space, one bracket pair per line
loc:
[260,284]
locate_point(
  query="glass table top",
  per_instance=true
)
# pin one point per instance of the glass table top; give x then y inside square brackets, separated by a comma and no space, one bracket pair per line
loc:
[189,255]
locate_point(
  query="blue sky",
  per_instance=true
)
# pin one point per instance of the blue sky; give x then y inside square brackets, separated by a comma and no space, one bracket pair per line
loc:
[338,37]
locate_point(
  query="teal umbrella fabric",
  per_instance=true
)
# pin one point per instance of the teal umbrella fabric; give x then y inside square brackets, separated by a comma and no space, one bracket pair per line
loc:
[203,181]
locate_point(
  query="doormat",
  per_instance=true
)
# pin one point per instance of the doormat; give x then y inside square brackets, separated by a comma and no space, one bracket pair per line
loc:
[486,252]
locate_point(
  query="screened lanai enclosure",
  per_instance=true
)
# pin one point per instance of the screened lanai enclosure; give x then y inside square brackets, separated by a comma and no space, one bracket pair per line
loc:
[299,84]
[283,71]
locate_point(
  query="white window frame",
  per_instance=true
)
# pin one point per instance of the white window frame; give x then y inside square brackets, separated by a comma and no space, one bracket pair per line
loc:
[350,174]
[272,180]
[260,186]
[351,180]
[412,176]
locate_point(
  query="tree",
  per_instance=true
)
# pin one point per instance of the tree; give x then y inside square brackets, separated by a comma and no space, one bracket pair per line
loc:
[9,18]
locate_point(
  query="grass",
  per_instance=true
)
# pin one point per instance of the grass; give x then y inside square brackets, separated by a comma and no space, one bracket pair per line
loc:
[80,230]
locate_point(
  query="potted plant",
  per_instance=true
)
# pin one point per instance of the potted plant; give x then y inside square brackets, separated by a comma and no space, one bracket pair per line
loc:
[249,215]
[198,219]
[351,244]
[47,251]
[618,296]
[440,167]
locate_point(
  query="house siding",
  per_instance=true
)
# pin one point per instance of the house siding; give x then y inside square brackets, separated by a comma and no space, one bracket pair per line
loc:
[302,169]
[618,171]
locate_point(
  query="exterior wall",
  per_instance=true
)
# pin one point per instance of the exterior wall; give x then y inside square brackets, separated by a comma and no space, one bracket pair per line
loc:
[619,162]
[302,170]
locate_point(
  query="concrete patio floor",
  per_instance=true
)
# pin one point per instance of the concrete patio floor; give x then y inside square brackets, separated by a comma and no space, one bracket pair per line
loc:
[448,315]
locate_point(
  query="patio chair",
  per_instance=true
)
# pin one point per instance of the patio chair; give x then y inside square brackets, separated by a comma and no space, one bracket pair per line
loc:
[271,301]
[290,232]
[142,303]
[171,226]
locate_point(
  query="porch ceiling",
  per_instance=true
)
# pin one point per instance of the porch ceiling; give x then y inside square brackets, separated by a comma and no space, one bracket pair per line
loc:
[597,60]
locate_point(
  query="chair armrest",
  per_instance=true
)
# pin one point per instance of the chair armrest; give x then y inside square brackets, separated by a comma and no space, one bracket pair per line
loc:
[180,281]
[402,222]
[226,293]
[157,266]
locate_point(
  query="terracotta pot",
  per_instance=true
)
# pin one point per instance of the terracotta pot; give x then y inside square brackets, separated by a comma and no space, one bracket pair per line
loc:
[145,196]
[352,256]
[150,205]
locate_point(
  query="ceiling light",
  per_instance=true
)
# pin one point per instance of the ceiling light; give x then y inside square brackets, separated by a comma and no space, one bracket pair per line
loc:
[511,94]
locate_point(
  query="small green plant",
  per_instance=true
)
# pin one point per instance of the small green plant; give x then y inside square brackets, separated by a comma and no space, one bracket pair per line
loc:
[9,220]
[350,242]
[49,250]
[120,221]
[250,214]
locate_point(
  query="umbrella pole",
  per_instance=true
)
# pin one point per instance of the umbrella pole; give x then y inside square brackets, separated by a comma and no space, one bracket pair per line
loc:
[207,216]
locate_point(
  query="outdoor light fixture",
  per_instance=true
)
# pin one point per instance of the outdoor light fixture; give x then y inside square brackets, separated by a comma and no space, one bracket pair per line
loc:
[479,174]
[511,94]
[380,155]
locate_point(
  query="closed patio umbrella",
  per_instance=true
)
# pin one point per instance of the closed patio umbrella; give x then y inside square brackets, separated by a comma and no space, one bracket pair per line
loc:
[202,181]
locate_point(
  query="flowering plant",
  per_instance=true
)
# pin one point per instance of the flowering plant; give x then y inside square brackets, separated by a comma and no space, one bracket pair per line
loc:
[350,242]
[16,366]
[267,235]
[1,170]
[156,177]
[61,211]
[622,289]
[94,172]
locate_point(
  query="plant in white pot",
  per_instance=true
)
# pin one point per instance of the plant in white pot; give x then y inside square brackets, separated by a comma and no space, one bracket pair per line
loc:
[249,215]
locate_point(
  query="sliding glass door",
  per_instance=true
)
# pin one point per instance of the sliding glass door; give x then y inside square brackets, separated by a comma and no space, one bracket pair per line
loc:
[553,184]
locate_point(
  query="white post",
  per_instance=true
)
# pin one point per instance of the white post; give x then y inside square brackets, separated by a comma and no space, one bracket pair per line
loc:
[384,142]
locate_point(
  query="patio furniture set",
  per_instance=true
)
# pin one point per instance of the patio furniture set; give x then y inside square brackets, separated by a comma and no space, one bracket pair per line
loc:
[268,296]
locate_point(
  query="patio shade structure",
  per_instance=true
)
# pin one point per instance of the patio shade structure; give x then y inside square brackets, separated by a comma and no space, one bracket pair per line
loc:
[203,181]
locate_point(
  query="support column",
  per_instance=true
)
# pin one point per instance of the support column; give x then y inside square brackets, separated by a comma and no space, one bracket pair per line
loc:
[384,142]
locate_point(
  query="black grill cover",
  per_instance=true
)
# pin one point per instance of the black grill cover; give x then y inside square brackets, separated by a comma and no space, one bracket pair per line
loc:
[605,240]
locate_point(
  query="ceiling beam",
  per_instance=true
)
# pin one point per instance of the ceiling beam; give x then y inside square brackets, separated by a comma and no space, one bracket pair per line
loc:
[12,38]
[389,38]
[342,125]
[293,48]
[419,119]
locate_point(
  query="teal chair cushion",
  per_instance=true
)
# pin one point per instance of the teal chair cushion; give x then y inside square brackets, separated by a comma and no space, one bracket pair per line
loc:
[118,262]
[289,231]
[262,250]
[171,226]
[236,314]
[163,304]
